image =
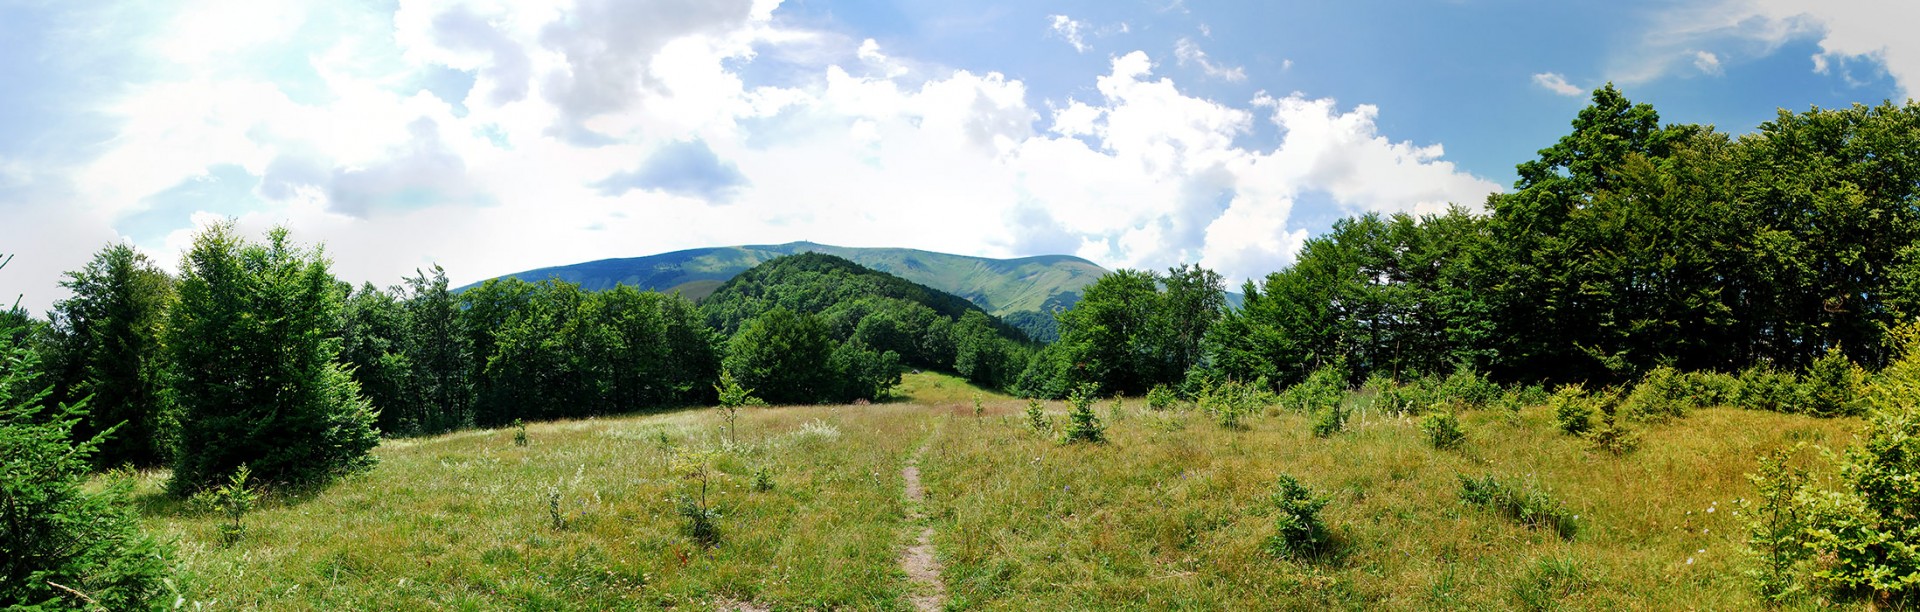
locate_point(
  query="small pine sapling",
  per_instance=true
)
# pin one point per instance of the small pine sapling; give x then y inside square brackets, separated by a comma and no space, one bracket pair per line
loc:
[1775,523]
[1298,531]
[1082,424]
[234,500]
[732,398]
[1331,420]
[1160,398]
[519,432]
[1443,430]
[1037,418]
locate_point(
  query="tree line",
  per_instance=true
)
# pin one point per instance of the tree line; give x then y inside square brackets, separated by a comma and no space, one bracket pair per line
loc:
[1626,246]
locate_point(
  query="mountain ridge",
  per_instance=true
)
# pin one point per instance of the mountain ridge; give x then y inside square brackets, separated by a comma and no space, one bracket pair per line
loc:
[1034,283]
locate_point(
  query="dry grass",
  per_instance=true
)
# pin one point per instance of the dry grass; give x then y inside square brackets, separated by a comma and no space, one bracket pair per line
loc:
[1171,514]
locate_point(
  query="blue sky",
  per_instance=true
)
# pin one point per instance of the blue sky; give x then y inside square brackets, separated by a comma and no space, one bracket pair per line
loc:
[492,137]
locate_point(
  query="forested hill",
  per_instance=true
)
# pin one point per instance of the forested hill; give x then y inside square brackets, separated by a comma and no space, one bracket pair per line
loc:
[999,286]
[867,310]
[821,284]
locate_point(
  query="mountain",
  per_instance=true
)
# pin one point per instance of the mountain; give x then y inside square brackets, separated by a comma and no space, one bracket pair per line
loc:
[999,286]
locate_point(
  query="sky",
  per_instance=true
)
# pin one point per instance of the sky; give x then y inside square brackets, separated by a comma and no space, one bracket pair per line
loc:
[496,137]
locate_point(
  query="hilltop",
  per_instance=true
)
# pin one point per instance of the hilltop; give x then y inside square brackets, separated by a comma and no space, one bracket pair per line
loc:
[998,286]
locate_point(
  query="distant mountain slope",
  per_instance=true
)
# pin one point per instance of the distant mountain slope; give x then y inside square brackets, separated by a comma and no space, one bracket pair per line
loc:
[999,286]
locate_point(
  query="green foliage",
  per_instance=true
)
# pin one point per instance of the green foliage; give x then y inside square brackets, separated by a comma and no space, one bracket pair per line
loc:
[1442,430]
[732,398]
[1466,388]
[1833,386]
[1082,424]
[1037,419]
[1397,399]
[438,351]
[1550,581]
[864,374]
[107,349]
[1298,530]
[1330,420]
[1662,394]
[696,469]
[232,500]
[254,372]
[62,541]
[1230,402]
[786,357]
[1573,410]
[1161,398]
[1524,503]
[1763,388]
[1776,522]
[1321,391]
[1613,436]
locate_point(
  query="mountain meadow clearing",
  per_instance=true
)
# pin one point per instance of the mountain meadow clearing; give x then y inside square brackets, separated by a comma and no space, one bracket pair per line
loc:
[1173,512]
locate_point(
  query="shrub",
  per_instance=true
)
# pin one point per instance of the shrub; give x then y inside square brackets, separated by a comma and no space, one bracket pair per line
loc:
[61,542]
[1519,398]
[1660,395]
[1401,399]
[1322,389]
[1229,403]
[1442,430]
[696,469]
[1330,421]
[733,396]
[1613,437]
[1572,410]
[519,432]
[1833,386]
[234,500]
[1466,388]
[1160,398]
[1523,503]
[1082,424]
[1037,418]
[1711,388]
[1761,388]
[1298,531]
[1775,523]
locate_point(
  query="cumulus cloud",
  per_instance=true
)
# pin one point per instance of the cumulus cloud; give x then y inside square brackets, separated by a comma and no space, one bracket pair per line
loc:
[1554,82]
[1189,53]
[614,129]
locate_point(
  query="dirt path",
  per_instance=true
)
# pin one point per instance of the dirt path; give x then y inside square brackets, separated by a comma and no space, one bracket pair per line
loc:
[923,570]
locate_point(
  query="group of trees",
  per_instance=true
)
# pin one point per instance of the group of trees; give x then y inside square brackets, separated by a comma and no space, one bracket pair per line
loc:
[1626,246]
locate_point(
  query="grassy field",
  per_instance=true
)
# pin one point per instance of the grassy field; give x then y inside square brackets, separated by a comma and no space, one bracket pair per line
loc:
[1171,514]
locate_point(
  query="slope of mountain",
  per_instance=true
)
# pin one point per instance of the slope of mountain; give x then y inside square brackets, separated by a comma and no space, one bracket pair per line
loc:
[998,286]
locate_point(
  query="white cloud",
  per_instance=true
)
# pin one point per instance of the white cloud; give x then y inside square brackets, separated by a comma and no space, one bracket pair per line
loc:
[1069,30]
[1556,83]
[1189,53]
[1707,63]
[1847,30]
[851,146]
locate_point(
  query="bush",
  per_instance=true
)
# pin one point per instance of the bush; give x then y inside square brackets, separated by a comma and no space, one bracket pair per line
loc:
[1466,388]
[1660,395]
[1523,503]
[1037,418]
[1230,403]
[1160,398]
[1298,531]
[1833,386]
[1613,437]
[1398,399]
[63,546]
[1442,430]
[1322,389]
[1082,424]
[1761,388]
[1862,536]
[1330,421]
[1573,410]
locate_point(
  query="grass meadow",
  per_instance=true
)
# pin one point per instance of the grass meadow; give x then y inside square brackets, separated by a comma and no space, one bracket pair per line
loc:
[1172,513]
